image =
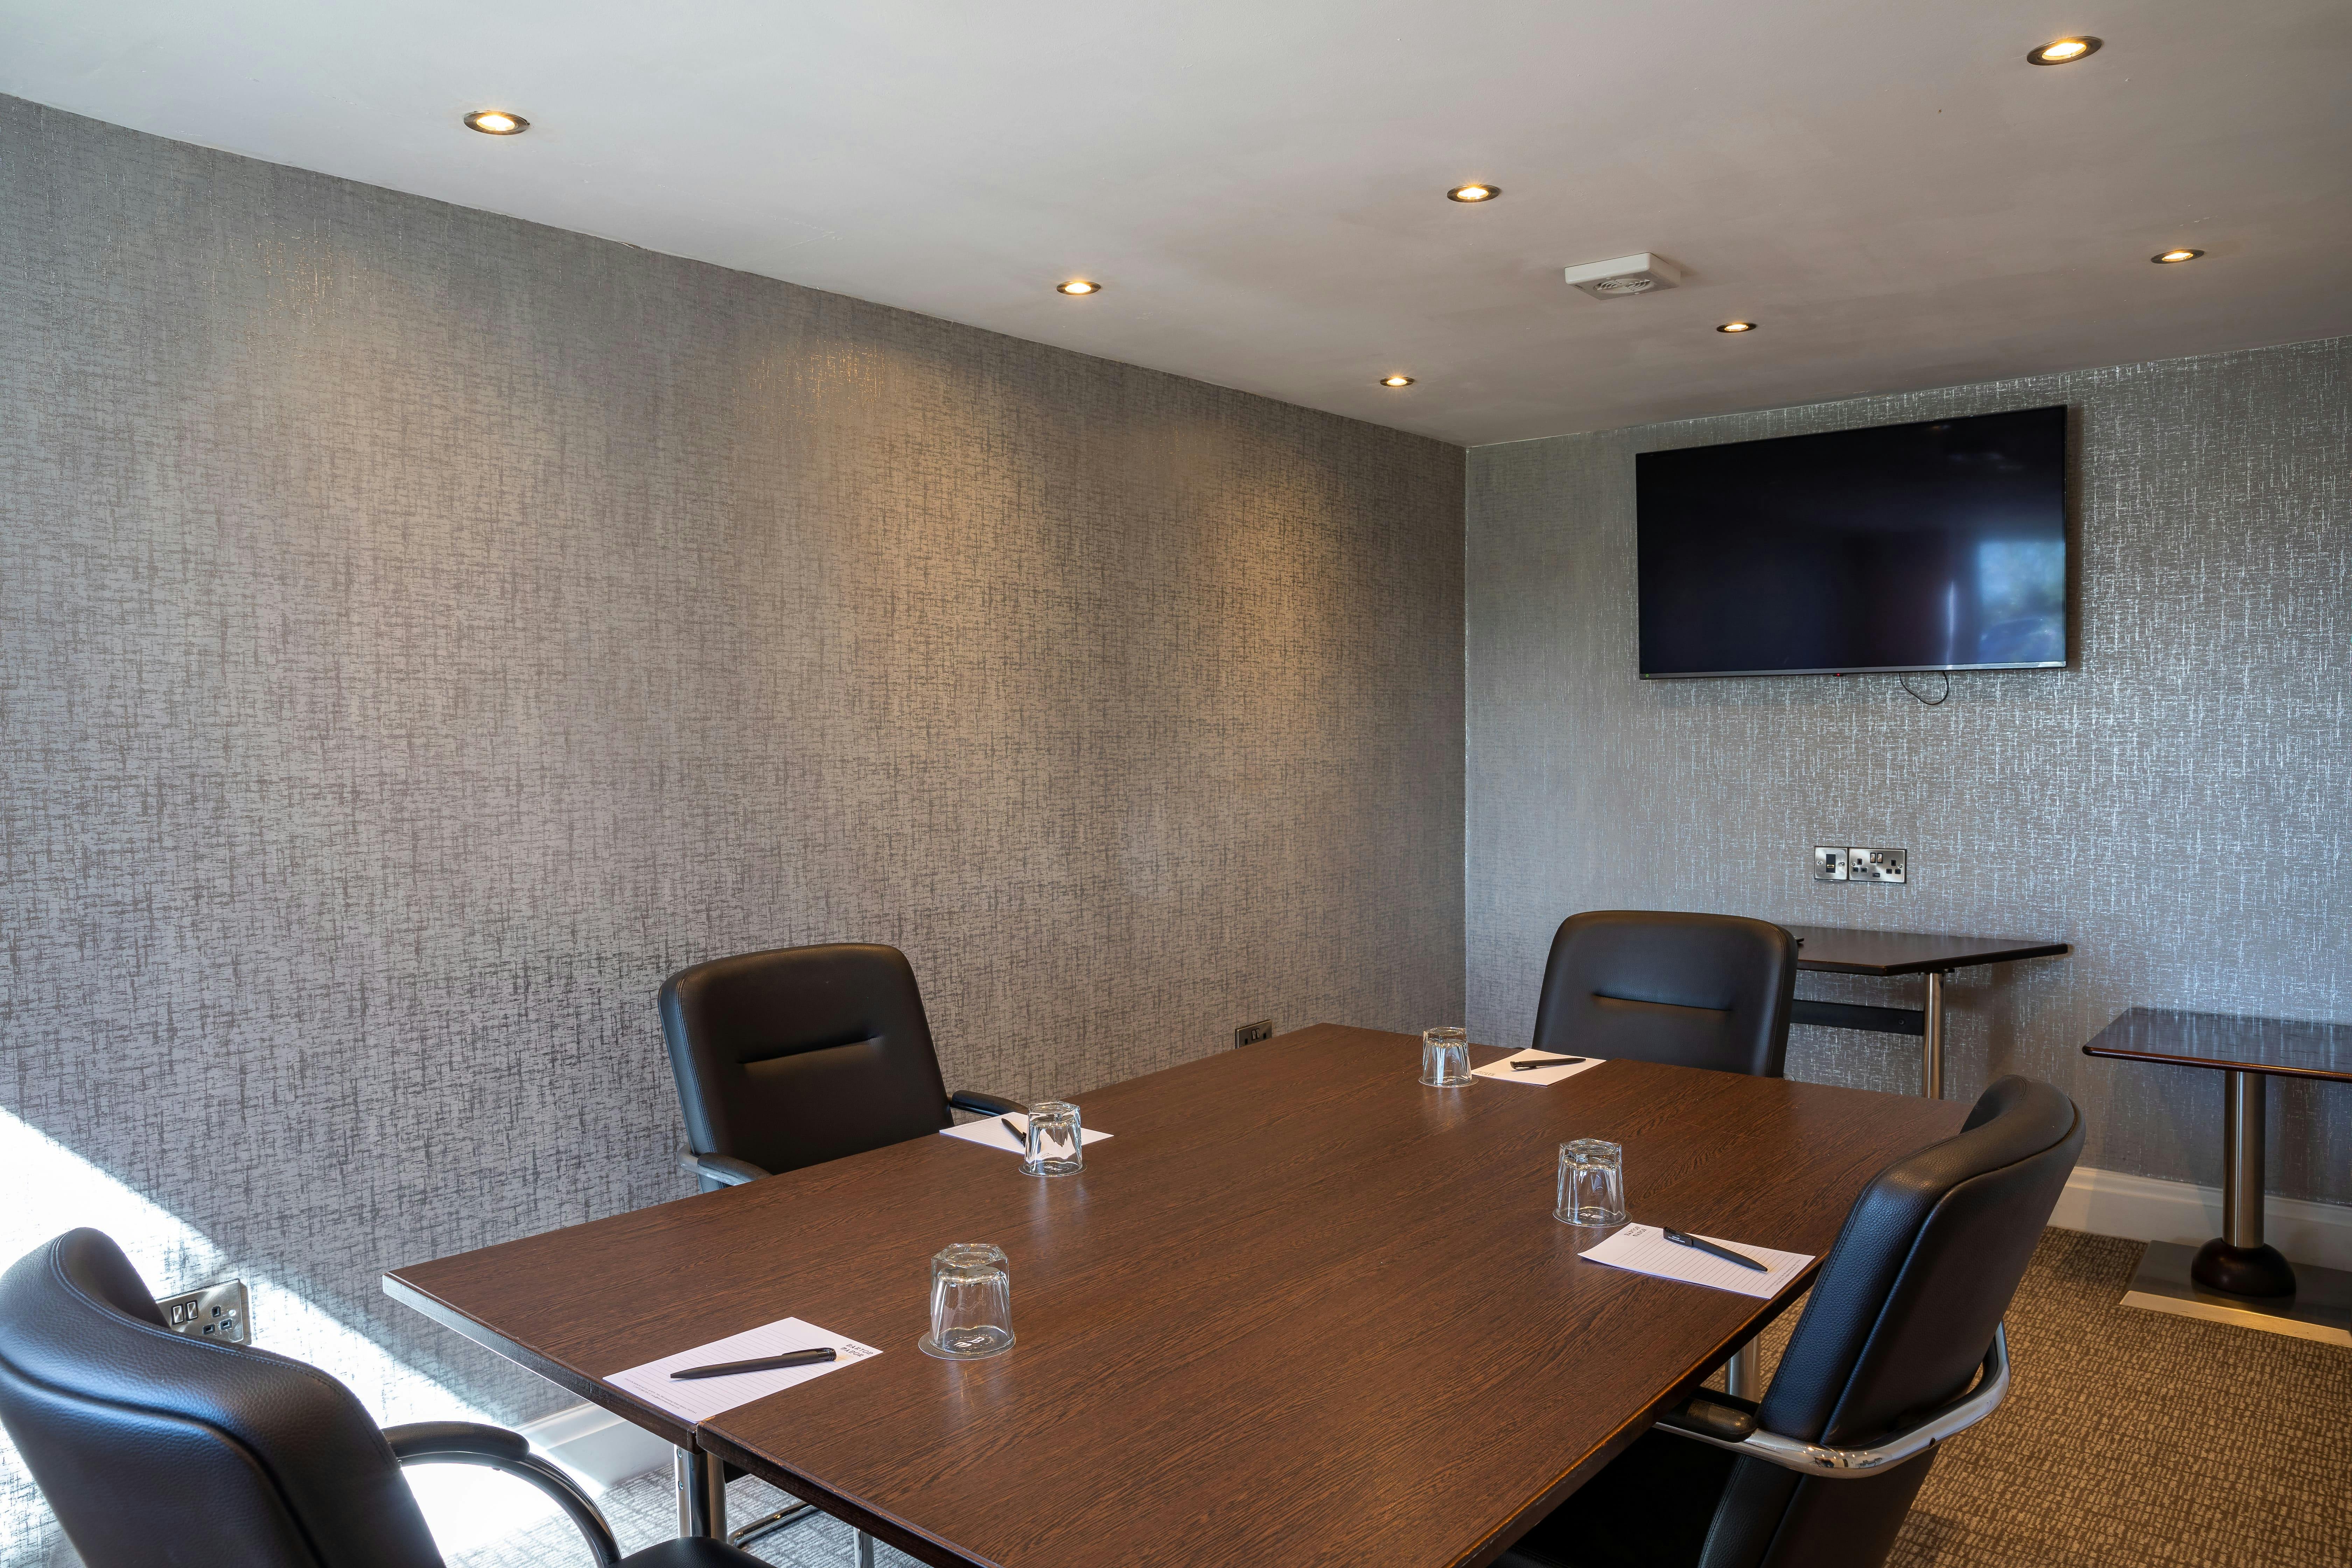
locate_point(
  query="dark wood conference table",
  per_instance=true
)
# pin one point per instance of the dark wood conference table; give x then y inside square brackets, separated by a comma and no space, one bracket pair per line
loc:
[1298,1309]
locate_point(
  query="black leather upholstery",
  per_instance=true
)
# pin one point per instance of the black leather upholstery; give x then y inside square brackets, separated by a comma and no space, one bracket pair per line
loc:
[155,1449]
[1898,1323]
[140,1437]
[801,1054]
[1698,991]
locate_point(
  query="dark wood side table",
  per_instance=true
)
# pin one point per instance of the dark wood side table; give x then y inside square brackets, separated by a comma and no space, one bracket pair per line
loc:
[1834,949]
[2238,1266]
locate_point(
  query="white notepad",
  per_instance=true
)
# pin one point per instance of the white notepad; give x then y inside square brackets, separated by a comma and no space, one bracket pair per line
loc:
[1502,1069]
[989,1133]
[1645,1249]
[699,1399]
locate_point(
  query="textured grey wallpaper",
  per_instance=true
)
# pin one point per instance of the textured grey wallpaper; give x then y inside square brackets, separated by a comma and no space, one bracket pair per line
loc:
[423,631]
[2175,804]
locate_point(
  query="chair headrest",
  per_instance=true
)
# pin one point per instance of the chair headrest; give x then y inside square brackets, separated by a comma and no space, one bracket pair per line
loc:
[140,1437]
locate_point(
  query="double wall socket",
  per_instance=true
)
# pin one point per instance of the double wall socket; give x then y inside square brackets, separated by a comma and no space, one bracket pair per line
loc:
[1831,864]
[1875,864]
[1254,1034]
[221,1312]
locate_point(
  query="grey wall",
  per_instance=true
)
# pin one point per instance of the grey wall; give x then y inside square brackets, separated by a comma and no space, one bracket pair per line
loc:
[423,631]
[2175,804]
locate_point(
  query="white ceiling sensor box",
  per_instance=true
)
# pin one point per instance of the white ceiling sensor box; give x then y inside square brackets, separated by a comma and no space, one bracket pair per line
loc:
[1625,276]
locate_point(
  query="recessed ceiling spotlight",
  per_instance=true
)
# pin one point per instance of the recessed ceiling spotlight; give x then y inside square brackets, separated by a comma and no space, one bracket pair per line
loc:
[1474,193]
[2179,253]
[496,122]
[1737,327]
[2065,51]
[1396,381]
[1078,286]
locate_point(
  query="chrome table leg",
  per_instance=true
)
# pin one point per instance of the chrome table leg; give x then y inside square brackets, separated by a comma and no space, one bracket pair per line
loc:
[2237,1262]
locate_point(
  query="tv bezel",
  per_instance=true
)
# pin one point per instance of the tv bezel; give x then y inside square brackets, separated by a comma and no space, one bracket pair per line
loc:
[2066,533]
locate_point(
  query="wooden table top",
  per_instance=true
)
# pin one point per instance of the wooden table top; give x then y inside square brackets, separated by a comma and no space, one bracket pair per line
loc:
[2283,1048]
[1299,1308]
[1835,950]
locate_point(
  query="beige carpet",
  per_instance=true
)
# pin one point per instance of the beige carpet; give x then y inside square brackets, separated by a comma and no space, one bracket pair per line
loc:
[2128,1438]
[2136,1438]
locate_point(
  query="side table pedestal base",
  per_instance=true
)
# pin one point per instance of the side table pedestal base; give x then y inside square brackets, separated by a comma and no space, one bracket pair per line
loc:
[2320,1308]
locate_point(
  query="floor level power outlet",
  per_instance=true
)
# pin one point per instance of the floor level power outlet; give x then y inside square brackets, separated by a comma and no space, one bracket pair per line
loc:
[221,1312]
[1254,1034]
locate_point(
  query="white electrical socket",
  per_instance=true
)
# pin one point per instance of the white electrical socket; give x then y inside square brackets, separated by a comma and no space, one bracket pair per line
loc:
[1829,864]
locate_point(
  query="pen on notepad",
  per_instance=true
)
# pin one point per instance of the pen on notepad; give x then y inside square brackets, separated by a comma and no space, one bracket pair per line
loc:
[1679,1239]
[1547,1062]
[764,1364]
[1017,1133]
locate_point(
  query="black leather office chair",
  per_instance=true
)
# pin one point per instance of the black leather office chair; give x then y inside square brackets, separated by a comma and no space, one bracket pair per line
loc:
[1905,1316]
[797,1056]
[1697,991]
[152,1448]
[800,1054]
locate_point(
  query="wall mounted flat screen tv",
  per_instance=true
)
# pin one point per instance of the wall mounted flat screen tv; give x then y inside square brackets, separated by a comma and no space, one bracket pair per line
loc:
[1940,545]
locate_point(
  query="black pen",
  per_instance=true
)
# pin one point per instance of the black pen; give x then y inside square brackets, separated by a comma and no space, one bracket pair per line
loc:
[1020,1137]
[765,1364]
[1679,1239]
[1547,1062]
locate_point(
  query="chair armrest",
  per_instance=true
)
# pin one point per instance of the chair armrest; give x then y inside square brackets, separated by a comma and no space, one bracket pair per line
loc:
[724,1169]
[983,1104]
[1848,1464]
[495,1448]
[1711,1415]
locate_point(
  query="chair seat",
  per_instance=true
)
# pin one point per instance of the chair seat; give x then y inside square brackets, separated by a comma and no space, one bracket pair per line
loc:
[692,1551]
[1650,1507]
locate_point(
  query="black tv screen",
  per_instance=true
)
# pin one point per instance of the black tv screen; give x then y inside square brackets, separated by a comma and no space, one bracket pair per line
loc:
[1941,545]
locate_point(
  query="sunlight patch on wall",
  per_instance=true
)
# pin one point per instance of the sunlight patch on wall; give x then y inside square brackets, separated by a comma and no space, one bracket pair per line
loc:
[466,1508]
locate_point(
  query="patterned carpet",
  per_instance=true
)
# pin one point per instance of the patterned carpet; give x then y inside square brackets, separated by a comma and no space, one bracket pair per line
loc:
[2138,1437]
[2128,1438]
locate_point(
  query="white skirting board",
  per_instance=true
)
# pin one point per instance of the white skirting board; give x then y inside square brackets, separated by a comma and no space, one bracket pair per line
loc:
[2108,1203]
[597,1444]
[609,1450]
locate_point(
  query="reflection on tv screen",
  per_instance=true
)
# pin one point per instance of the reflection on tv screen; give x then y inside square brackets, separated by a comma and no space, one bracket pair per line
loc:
[1939,546]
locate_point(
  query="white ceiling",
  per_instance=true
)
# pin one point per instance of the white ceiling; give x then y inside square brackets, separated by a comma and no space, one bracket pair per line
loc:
[1889,189]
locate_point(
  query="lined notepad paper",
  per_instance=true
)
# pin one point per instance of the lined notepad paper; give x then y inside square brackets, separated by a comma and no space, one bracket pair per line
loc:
[701,1398]
[1645,1249]
[1502,1069]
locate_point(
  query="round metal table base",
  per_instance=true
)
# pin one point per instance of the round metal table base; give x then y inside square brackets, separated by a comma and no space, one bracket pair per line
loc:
[2258,1271]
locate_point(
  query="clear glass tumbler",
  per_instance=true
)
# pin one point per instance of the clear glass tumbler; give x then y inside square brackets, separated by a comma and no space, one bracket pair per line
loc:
[1591,1183]
[1056,1142]
[972,1303]
[1445,1057]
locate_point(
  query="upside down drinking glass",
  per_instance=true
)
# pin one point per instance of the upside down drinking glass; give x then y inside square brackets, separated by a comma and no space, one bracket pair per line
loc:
[972,1303]
[1057,1144]
[1444,1058]
[1591,1183]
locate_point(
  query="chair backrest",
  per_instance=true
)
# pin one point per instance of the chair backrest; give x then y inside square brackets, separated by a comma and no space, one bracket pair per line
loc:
[154,1447]
[801,1054]
[1698,991]
[1898,1323]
